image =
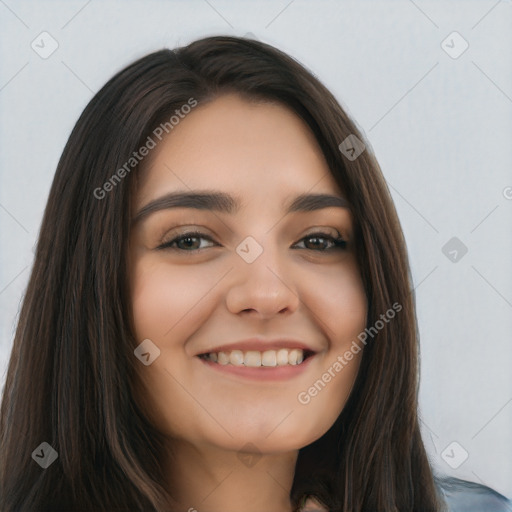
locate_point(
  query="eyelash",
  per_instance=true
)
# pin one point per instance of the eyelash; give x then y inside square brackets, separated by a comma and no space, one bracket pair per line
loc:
[339,243]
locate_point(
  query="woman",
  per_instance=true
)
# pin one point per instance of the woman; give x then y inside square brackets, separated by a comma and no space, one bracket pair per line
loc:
[219,316]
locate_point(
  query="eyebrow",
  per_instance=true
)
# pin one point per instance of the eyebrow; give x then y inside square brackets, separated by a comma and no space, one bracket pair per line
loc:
[226,203]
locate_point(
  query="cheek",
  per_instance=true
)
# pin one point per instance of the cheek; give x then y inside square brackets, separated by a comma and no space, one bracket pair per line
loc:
[338,300]
[166,301]
[165,298]
[150,294]
[339,305]
[169,303]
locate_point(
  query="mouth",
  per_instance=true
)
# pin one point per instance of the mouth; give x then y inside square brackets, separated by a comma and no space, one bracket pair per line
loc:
[265,365]
[258,359]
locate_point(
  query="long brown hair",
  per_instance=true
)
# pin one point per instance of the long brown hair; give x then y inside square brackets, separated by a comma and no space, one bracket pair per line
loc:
[72,374]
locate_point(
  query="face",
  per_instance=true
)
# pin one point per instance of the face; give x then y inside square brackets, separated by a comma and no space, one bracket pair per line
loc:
[248,268]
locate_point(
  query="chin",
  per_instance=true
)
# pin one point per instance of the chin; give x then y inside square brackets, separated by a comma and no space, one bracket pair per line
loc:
[278,439]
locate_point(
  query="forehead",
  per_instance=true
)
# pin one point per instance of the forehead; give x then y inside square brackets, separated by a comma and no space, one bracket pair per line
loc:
[252,149]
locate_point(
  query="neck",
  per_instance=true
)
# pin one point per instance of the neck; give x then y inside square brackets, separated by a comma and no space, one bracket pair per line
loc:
[211,479]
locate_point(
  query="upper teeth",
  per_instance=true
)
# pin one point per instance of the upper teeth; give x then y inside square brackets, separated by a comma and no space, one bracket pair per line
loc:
[279,357]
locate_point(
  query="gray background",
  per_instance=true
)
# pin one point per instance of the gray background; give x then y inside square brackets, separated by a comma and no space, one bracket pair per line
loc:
[440,126]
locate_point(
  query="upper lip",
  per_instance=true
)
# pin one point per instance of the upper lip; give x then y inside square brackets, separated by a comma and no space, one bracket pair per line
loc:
[260,345]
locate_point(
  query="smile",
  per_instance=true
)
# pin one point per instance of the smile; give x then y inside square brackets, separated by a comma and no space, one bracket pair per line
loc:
[279,364]
[254,358]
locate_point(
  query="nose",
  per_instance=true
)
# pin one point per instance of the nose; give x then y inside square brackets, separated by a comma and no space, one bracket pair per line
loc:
[262,288]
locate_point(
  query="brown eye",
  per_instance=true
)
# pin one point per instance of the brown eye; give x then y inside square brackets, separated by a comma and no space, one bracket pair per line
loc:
[189,242]
[323,242]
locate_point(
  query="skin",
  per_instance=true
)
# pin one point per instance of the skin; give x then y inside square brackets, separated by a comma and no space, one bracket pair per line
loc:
[186,302]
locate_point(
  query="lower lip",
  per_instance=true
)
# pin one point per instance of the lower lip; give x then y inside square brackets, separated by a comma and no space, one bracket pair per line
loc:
[261,373]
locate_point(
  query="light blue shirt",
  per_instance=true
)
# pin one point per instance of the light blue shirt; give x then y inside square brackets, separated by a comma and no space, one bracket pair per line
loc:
[463,496]
[459,496]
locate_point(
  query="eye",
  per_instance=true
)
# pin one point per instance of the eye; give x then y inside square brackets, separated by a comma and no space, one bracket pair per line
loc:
[321,239]
[186,242]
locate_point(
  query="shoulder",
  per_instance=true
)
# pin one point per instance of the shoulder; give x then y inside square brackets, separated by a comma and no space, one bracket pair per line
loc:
[459,495]
[464,496]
